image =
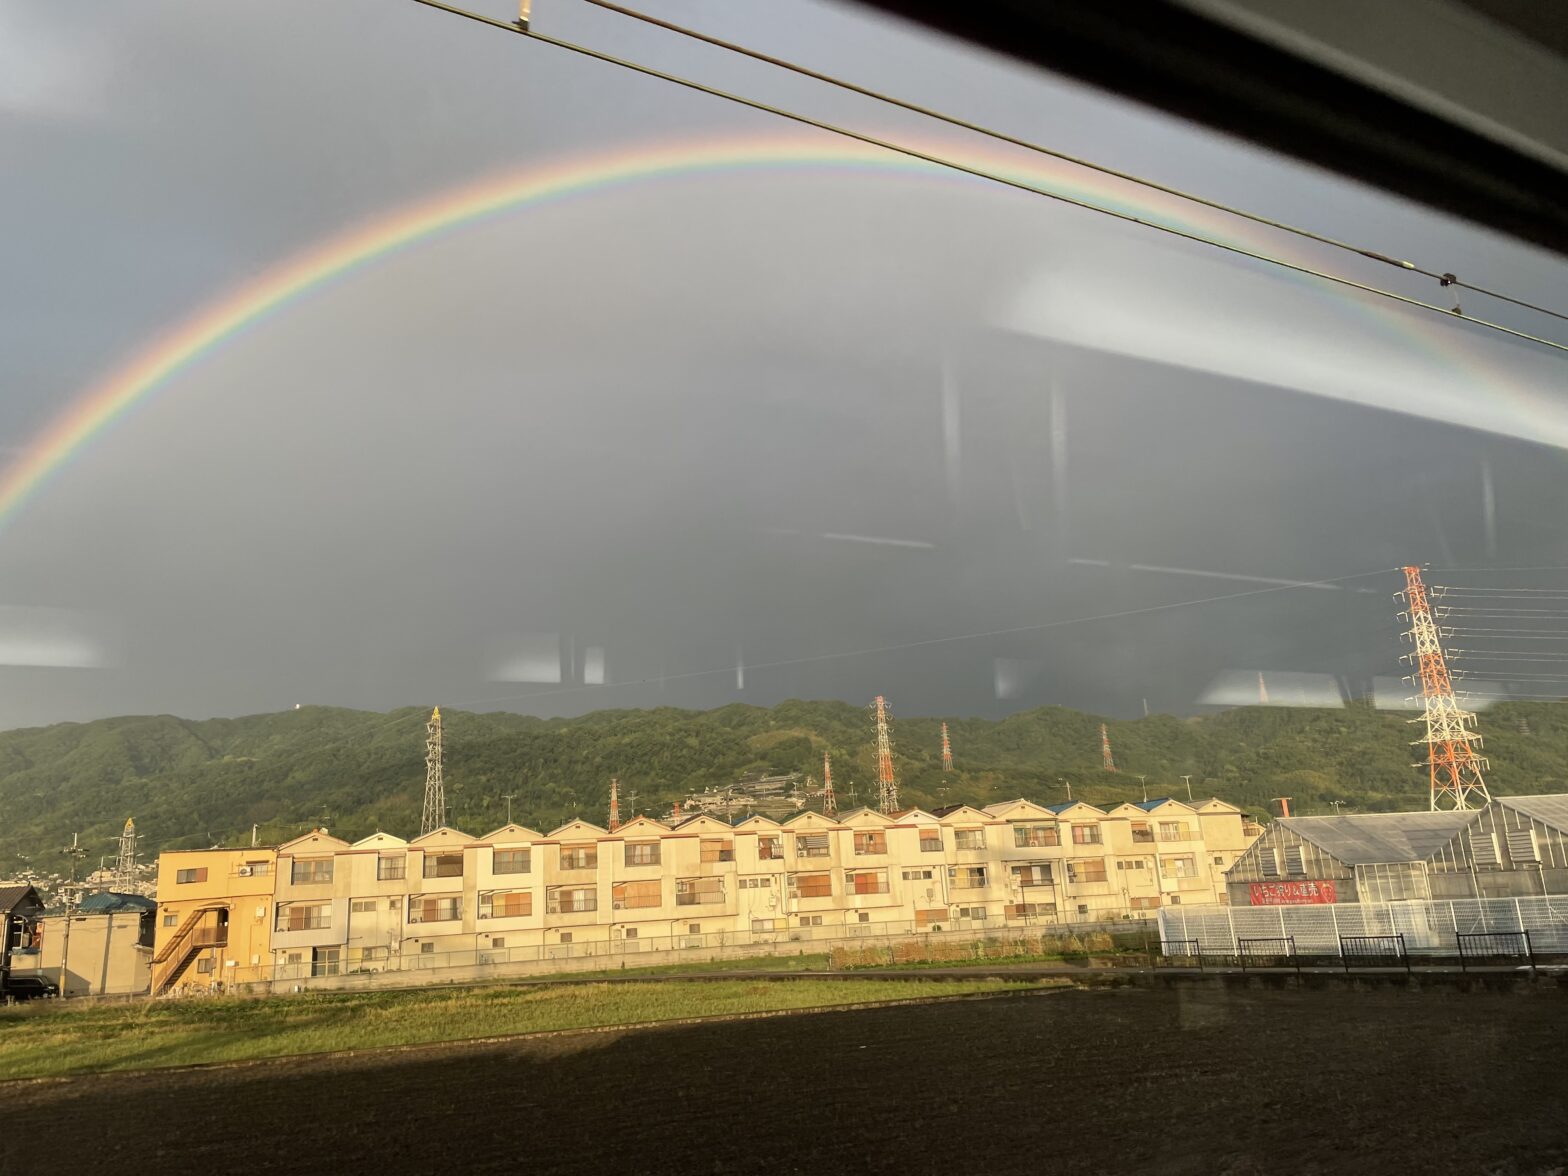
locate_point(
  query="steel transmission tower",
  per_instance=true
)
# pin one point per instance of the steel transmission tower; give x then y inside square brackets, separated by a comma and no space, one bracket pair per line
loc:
[947,751]
[435,791]
[125,867]
[1451,739]
[829,801]
[887,786]
[1106,760]
[615,804]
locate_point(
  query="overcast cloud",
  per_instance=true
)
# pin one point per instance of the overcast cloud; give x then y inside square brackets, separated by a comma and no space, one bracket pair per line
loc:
[732,436]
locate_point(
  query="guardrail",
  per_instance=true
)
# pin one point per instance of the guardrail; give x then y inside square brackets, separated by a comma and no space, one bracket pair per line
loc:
[1373,948]
[1494,945]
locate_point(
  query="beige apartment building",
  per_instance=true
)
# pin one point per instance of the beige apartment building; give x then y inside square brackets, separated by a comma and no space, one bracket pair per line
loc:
[383,903]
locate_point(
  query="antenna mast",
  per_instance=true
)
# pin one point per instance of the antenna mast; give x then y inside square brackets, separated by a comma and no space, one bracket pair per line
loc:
[887,786]
[1452,762]
[947,751]
[829,801]
[434,816]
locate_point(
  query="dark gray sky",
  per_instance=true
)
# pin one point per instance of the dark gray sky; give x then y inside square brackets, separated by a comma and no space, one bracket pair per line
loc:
[810,422]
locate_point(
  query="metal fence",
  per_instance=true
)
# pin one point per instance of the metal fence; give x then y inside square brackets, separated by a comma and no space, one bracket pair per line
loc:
[1495,945]
[1426,927]
[1373,950]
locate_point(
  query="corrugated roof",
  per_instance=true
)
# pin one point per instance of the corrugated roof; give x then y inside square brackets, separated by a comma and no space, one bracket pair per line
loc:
[1365,838]
[108,902]
[12,897]
[1550,809]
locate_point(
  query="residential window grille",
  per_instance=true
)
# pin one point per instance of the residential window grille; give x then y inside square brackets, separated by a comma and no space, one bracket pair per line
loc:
[1133,864]
[580,857]
[969,838]
[258,869]
[865,882]
[391,869]
[505,904]
[571,900]
[811,885]
[635,895]
[1036,836]
[768,849]
[811,844]
[642,853]
[967,877]
[1032,875]
[511,861]
[698,891]
[917,875]
[443,865]
[930,841]
[431,908]
[872,842]
[199,874]
[718,850]
[1089,870]
[309,871]
[1086,835]
[303,916]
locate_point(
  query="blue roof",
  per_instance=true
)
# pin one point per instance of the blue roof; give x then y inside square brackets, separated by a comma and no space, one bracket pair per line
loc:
[1060,808]
[107,902]
[1149,806]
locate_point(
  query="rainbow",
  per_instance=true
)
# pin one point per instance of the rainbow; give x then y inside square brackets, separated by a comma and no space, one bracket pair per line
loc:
[162,361]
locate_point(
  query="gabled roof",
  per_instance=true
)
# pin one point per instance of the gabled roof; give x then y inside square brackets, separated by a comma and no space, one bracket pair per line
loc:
[759,823]
[642,825]
[1073,806]
[1127,808]
[379,840]
[316,841]
[1213,805]
[18,896]
[861,817]
[446,835]
[810,820]
[580,828]
[1018,808]
[1550,809]
[511,833]
[1359,839]
[917,816]
[961,812]
[703,823]
[1158,802]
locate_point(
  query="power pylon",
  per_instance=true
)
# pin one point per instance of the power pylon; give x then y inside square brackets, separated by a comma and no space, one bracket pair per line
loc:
[125,867]
[829,801]
[947,751]
[434,816]
[615,804]
[1452,762]
[887,786]
[1106,760]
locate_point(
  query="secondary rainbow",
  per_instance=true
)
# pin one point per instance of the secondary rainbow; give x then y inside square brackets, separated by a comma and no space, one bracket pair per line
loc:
[158,364]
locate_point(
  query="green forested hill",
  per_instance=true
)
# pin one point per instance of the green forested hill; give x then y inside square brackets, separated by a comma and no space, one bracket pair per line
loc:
[196,783]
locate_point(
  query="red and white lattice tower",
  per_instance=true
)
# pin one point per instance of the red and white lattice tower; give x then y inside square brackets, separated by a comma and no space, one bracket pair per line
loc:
[829,801]
[1451,739]
[947,751]
[1106,760]
[887,786]
[615,804]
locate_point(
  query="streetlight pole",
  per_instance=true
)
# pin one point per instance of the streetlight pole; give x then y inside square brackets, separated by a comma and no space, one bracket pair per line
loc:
[68,896]
[1188,779]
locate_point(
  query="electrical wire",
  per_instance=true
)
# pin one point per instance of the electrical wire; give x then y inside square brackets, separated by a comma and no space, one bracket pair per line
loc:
[970,169]
[1446,279]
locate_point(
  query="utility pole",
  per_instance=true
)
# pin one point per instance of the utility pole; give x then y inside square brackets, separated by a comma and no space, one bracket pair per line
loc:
[1336,804]
[70,898]
[1144,780]
[1188,781]
[1067,784]
[509,798]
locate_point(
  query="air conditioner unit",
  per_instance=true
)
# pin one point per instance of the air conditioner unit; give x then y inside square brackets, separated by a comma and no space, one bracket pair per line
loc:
[243,871]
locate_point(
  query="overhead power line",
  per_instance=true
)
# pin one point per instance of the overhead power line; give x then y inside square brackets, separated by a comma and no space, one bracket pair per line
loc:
[1444,279]
[971,169]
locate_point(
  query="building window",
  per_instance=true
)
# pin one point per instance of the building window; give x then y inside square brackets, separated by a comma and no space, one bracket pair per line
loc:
[865,882]
[811,885]
[505,904]
[632,896]
[432,908]
[969,838]
[391,868]
[875,842]
[918,875]
[1086,835]
[310,871]
[811,920]
[427,949]
[1090,870]
[1180,866]
[170,920]
[325,961]
[768,849]
[580,857]
[443,865]
[1039,875]
[1141,831]
[206,964]
[1031,910]
[930,841]
[642,853]
[865,916]
[694,928]
[975,913]
[199,874]
[631,933]
[303,916]
[1133,864]
[761,925]
[930,918]
[698,891]
[510,861]
[497,941]
[1175,831]
[718,850]
[258,869]
[362,906]
[1218,861]
[571,900]
[967,877]
[1145,904]
[811,844]
[1036,836]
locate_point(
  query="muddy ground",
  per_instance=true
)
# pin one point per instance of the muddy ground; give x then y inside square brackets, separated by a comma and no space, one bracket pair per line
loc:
[1203,1079]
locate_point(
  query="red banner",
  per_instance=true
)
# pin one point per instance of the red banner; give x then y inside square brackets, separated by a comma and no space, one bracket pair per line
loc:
[1291,893]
